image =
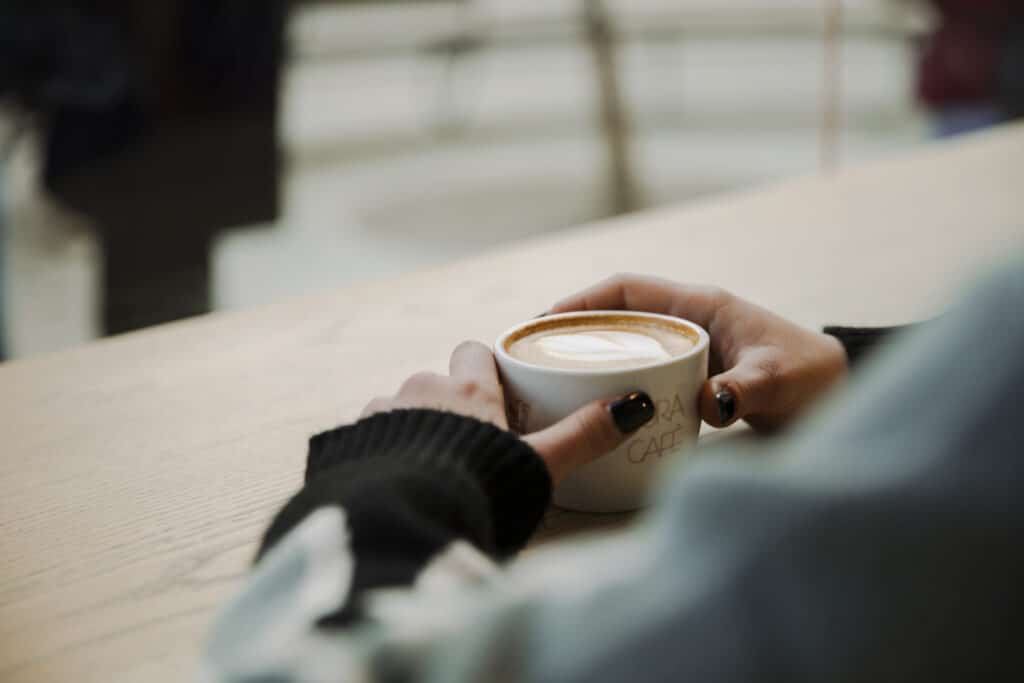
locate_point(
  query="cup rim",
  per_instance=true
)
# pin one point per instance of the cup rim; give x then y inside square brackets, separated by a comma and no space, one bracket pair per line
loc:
[703,340]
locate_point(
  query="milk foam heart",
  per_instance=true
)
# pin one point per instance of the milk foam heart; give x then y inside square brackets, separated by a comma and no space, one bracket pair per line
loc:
[598,345]
[603,346]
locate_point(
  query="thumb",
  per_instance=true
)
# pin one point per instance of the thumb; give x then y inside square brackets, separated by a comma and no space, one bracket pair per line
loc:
[590,432]
[747,389]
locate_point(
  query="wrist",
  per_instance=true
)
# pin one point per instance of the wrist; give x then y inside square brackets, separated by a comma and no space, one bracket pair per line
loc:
[837,362]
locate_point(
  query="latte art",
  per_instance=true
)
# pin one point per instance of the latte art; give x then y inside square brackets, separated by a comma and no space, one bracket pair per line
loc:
[603,346]
[600,346]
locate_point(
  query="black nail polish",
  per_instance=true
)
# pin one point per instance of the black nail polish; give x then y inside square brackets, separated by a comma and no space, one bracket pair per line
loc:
[632,411]
[726,406]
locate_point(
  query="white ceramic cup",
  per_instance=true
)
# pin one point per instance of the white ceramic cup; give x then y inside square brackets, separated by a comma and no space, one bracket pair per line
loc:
[537,397]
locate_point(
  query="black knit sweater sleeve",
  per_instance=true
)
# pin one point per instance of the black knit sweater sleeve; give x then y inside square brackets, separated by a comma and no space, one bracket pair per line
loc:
[860,342]
[412,482]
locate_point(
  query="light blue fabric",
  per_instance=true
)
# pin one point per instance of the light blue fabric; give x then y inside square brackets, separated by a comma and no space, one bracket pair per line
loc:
[880,540]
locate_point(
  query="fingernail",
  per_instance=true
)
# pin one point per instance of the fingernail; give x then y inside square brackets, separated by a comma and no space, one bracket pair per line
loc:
[632,411]
[726,406]
[541,315]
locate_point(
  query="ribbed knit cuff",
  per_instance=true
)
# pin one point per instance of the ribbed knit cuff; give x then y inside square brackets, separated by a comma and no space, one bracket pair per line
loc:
[511,475]
[859,342]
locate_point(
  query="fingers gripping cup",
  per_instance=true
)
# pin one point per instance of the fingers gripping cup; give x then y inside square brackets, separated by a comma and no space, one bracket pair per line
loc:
[552,366]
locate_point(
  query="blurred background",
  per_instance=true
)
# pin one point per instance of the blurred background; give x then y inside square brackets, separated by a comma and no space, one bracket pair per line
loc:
[164,159]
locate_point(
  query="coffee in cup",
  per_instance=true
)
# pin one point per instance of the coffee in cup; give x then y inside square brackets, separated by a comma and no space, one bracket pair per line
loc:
[605,342]
[554,365]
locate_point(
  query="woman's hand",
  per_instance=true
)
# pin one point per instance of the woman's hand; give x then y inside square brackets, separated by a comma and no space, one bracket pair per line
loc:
[764,369]
[473,389]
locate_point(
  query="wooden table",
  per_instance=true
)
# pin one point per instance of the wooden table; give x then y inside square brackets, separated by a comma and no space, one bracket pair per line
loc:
[138,472]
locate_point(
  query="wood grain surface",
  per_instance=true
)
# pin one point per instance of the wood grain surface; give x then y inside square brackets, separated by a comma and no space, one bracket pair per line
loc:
[137,473]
